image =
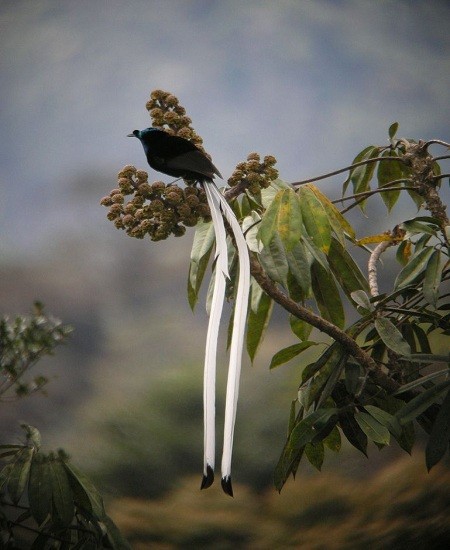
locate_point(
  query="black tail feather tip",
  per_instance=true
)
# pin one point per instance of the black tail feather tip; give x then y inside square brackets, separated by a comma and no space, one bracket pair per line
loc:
[226,486]
[208,478]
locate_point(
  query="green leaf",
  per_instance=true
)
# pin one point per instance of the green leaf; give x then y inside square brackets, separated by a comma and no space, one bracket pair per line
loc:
[346,270]
[282,218]
[62,495]
[333,440]
[385,418]
[200,253]
[5,473]
[274,261]
[331,355]
[315,453]
[353,432]
[82,485]
[361,176]
[315,219]
[18,477]
[250,229]
[406,437]
[306,430]
[421,402]
[314,252]
[422,380]
[300,328]
[40,489]
[432,278]
[414,268]
[362,299]
[268,194]
[327,295]
[290,219]
[393,130]
[389,171]
[292,415]
[440,434]
[372,428]
[338,223]
[422,338]
[258,318]
[354,377]
[299,267]
[332,380]
[428,225]
[286,354]
[391,336]
[329,367]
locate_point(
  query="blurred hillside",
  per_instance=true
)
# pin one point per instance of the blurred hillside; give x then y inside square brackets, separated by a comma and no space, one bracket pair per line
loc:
[401,508]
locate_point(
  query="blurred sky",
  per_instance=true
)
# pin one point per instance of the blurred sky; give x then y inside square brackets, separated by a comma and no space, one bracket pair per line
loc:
[310,82]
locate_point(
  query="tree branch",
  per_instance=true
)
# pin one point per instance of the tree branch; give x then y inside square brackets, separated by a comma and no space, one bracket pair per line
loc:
[372,266]
[269,287]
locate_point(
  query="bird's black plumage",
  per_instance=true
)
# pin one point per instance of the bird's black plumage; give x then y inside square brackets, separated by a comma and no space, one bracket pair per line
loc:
[175,156]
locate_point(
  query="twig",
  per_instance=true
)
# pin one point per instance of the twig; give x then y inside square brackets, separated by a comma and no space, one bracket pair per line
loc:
[441,158]
[236,190]
[438,141]
[441,176]
[361,163]
[365,194]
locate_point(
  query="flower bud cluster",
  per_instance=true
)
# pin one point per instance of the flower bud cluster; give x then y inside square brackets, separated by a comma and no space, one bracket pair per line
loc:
[167,114]
[156,209]
[256,175]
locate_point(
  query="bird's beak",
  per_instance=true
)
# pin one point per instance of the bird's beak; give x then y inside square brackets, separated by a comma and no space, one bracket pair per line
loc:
[131,135]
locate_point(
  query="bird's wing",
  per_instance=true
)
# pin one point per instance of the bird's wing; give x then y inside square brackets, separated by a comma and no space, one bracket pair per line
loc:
[193,161]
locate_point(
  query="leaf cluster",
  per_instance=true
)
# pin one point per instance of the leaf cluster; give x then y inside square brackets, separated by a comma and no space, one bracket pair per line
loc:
[57,505]
[379,377]
[24,341]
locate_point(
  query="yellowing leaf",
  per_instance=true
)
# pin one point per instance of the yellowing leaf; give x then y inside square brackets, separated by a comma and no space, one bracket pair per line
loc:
[372,239]
[315,219]
[282,218]
[338,222]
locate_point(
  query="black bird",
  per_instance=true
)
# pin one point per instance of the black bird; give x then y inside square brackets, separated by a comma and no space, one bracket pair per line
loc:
[178,157]
[175,156]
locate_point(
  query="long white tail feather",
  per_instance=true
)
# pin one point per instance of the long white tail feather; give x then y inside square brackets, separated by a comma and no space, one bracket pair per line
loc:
[237,341]
[209,381]
[219,229]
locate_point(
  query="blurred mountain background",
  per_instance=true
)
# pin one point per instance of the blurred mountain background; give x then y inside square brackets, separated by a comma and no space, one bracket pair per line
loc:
[310,82]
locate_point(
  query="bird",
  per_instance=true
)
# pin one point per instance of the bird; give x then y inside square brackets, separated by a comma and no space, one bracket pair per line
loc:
[180,158]
[175,156]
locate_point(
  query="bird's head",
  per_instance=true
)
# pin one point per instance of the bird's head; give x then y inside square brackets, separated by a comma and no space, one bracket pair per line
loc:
[135,133]
[142,134]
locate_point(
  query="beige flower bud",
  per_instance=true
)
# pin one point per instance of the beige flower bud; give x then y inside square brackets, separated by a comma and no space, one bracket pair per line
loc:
[118,198]
[253,156]
[106,201]
[128,220]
